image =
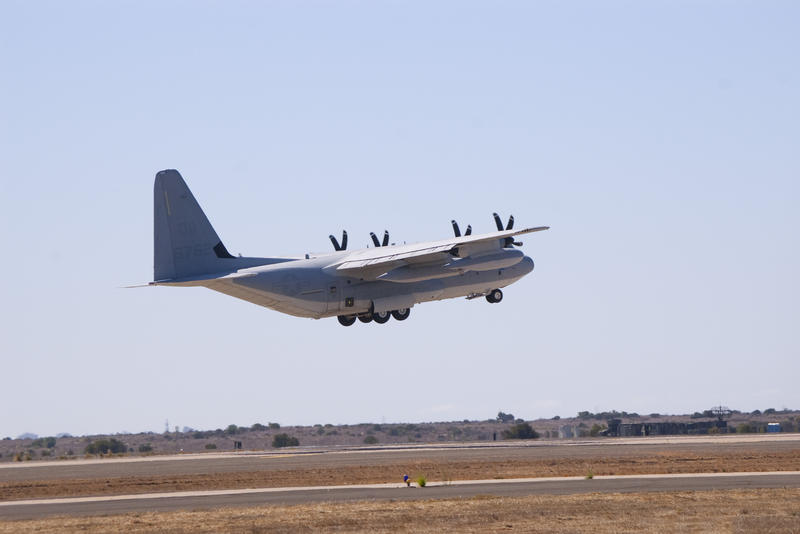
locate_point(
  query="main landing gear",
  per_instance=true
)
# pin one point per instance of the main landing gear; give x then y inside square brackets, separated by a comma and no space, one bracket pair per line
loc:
[379,317]
[346,320]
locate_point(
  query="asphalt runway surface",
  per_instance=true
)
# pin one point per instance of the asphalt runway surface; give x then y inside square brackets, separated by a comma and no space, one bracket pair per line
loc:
[391,492]
[331,458]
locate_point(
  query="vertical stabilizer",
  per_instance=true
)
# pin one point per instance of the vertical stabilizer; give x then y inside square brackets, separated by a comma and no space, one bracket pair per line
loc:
[185,243]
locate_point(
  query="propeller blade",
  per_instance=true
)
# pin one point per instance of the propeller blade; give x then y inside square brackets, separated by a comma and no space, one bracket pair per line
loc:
[469,230]
[510,224]
[385,238]
[498,222]
[375,239]
[335,243]
[455,228]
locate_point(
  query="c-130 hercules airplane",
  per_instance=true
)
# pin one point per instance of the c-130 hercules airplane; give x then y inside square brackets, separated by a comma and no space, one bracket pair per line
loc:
[372,284]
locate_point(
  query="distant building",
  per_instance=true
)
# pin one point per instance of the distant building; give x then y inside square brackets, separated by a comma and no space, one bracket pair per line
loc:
[773,427]
[617,428]
[566,431]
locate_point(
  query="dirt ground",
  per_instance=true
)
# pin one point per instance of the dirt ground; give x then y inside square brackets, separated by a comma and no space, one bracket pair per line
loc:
[735,511]
[434,470]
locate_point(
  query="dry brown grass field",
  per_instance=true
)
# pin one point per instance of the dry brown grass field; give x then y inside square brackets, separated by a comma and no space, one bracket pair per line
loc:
[775,511]
[661,462]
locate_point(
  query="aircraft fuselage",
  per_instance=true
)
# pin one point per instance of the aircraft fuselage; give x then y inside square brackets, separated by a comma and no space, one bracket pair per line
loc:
[305,289]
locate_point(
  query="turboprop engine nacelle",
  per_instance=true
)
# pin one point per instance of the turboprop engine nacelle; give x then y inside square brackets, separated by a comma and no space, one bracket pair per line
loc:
[496,260]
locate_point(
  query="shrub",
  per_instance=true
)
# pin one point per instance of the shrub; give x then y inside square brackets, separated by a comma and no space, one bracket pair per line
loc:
[285,440]
[274,426]
[422,481]
[596,429]
[211,445]
[44,442]
[520,431]
[104,446]
[503,417]
[146,448]
[745,428]
[258,427]
[370,440]
[232,429]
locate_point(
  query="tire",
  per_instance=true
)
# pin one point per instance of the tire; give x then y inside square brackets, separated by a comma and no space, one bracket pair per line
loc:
[401,314]
[366,318]
[494,296]
[381,317]
[346,320]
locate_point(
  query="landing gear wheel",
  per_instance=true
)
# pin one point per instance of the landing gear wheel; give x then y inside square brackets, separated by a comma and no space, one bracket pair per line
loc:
[381,317]
[346,320]
[366,318]
[401,314]
[494,296]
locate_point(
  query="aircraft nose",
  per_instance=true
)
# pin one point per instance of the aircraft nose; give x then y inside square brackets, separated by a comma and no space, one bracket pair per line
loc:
[526,265]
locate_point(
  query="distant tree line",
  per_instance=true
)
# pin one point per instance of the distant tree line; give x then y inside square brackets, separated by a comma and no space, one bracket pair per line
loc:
[105,446]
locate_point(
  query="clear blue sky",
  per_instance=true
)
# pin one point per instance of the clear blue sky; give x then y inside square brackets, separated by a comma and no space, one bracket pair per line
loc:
[659,140]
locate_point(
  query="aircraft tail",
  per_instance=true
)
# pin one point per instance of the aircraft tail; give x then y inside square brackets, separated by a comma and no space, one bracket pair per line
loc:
[186,244]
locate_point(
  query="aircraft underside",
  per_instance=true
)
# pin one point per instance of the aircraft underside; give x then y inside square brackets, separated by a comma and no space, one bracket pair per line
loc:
[279,288]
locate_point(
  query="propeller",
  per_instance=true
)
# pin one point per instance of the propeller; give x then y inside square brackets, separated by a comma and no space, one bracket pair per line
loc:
[499,223]
[378,243]
[457,231]
[509,241]
[336,244]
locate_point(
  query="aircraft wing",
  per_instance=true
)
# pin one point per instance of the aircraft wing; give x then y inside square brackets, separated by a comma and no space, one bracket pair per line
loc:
[376,259]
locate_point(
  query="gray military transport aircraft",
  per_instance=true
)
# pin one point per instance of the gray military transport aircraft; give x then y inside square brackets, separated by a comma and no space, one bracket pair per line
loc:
[372,284]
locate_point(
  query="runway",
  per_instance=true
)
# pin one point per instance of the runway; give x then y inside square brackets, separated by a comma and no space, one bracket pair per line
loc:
[352,457]
[83,506]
